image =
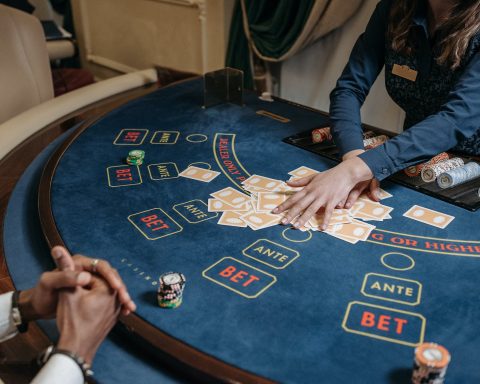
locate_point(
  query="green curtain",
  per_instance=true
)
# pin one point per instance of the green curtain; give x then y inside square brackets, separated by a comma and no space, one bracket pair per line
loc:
[274,27]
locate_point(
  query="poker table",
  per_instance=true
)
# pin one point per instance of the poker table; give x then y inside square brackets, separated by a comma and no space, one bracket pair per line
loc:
[272,305]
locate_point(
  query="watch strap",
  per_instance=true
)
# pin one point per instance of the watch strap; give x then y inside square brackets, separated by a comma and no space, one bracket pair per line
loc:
[16,314]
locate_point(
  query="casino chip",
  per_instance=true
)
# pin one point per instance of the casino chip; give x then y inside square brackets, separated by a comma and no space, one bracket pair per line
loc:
[135,157]
[170,289]
[430,364]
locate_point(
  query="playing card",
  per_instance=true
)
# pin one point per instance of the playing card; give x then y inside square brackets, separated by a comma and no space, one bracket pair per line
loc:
[232,219]
[231,196]
[429,216]
[267,201]
[259,220]
[262,182]
[365,217]
[351,240]
[339,216]
[302,172]
[384,194]
[215,205]
[371,208]
[355,229]
[200,174]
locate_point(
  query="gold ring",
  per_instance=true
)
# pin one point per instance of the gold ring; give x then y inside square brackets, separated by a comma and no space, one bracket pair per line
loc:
[94,265]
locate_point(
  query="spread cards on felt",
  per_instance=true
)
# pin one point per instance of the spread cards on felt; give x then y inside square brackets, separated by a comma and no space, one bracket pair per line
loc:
[255,211]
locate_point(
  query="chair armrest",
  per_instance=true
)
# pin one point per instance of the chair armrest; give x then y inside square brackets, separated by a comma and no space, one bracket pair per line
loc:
[60,49]
[19,128]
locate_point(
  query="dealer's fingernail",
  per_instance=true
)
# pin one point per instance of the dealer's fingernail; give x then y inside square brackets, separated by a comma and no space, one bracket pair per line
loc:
[284,221]
[297,224]
[324,227]
[83,278]
[275,210]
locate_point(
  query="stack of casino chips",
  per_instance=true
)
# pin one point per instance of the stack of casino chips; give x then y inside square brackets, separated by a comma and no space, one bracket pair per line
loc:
[321,134]
[430,364]
[170,290]
[374,141]
[431,172]
[135,157]
[368,134]
[415,170]
[459,175]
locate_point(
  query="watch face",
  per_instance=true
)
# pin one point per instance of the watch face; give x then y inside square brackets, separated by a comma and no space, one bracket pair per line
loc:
[173,278]
[16,317]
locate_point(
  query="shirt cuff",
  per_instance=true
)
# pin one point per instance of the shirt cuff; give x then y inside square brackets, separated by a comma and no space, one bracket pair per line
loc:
[7,327]
[378,162]
[59,369]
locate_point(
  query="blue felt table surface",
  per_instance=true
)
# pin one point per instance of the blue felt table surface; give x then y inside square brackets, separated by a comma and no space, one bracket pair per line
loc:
[293,331]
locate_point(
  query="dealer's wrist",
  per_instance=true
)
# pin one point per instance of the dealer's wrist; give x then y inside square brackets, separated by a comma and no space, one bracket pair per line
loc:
[352,153]
[358,170]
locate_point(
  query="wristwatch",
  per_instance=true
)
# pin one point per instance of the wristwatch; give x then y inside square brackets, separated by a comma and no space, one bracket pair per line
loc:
[16,315]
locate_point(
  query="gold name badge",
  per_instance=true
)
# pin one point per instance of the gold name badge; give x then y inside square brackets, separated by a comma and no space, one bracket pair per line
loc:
[405,72]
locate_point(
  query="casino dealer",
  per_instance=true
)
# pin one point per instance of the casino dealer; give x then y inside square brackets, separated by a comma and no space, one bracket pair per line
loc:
[431,53]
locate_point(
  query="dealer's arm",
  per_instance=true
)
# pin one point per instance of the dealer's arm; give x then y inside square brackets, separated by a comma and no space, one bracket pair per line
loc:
[457,120]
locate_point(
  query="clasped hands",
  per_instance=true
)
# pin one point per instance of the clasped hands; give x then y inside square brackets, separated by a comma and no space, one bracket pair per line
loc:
[85,297]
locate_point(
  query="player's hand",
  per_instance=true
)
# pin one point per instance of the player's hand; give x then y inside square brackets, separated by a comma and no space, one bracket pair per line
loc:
[326,189]
[65,261]
[85,316]
[40,302]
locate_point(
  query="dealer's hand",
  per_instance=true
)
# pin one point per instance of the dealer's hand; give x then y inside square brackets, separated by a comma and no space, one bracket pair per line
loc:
[326,189]
[65,261]
[371,187]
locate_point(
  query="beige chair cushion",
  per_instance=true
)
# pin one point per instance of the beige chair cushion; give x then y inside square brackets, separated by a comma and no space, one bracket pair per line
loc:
[25,77]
